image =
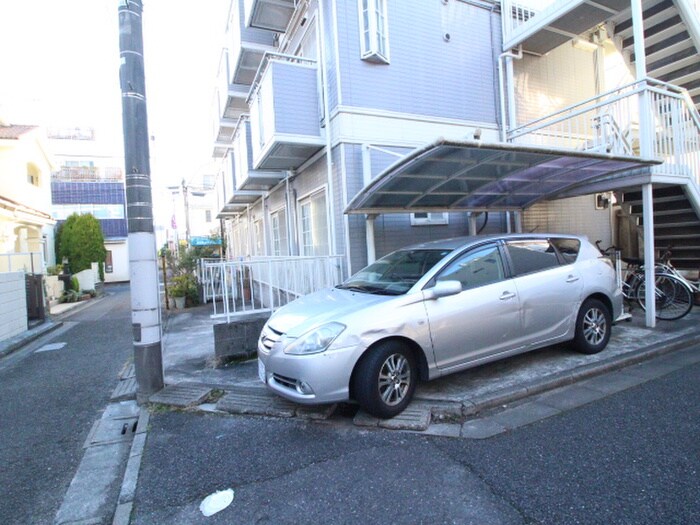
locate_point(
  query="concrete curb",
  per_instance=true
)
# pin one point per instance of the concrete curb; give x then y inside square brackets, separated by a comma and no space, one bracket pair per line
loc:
[15,343]
[475,405]
[125,503]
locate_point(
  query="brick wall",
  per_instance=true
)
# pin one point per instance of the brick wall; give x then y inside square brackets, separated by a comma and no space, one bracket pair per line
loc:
[13,304]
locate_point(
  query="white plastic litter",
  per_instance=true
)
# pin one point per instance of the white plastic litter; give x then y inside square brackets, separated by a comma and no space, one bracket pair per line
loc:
[216,502]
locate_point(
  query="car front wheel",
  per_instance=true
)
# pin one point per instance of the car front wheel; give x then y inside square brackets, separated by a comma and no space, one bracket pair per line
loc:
[593,327]
[385,379]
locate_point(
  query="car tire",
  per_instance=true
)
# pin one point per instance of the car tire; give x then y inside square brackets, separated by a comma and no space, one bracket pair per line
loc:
[593,327]
[385,379]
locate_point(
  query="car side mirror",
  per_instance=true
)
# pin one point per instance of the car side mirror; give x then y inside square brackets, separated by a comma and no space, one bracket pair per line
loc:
[443,289]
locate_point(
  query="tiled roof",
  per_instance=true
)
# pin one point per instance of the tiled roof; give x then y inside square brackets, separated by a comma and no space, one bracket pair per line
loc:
[14,131]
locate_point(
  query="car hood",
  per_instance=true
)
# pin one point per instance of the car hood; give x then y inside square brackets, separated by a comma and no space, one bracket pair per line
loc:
[315,309]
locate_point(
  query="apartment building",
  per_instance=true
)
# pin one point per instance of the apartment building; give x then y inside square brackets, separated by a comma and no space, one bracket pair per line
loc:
[90,179]
[355,127]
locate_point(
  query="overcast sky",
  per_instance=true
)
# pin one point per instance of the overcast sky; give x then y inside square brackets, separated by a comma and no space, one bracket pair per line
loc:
[59,63]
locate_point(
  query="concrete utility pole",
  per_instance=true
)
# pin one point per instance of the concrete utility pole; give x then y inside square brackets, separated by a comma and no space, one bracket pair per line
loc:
[143,262]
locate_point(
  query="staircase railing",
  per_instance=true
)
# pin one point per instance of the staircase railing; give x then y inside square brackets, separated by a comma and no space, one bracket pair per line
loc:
[609,123]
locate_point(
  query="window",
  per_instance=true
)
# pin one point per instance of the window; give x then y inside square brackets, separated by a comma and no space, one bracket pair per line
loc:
[429,219]
[259,239]
[278,225]
[109,267]
[567,248]
[373,29]
[314,225]
[477,267]
[32,175]
[532,256]
[207,215]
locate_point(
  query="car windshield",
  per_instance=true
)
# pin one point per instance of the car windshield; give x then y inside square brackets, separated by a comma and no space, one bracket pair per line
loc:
[394,274]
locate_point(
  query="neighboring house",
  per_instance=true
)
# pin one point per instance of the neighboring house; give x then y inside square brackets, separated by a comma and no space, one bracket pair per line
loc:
[26,226]
[548,121]
[90,179]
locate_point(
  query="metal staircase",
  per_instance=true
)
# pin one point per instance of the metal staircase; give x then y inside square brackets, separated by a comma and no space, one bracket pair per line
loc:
[671,42]
[676,224]
[607,123]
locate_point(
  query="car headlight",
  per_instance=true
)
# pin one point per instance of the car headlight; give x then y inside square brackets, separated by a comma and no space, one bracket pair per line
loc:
[316,340]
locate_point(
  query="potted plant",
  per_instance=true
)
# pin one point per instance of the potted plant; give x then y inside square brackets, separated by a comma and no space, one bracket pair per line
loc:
[182,287]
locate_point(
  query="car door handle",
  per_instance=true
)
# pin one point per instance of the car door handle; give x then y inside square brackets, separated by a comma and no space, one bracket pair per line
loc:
[506,295]
[572,279]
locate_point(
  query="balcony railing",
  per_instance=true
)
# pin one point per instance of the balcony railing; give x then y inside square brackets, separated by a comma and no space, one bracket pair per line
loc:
[27,262]
[285,113]
[247,178]
[610,123]
[88,174]
[264,284]
[247,47]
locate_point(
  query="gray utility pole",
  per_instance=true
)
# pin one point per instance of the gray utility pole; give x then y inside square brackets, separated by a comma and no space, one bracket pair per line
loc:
[143,264]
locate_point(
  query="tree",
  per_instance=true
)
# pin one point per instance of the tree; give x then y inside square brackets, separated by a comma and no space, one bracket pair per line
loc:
[81,241]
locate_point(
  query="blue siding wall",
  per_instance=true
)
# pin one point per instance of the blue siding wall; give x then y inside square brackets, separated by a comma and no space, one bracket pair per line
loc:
[419,54]
[296,99]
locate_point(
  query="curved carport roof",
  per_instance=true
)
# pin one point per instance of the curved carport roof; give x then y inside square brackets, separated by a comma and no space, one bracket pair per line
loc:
[450,175]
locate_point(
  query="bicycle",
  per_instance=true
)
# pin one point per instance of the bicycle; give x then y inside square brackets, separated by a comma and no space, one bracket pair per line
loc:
[673,297]
[665,266]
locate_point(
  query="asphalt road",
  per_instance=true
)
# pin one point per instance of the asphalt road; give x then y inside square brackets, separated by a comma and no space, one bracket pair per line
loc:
[631,458]
[49,401]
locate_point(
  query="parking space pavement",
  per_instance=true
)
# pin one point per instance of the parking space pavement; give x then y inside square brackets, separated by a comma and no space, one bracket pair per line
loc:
[476,403]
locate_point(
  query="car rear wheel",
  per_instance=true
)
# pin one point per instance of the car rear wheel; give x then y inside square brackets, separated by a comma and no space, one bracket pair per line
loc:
[385,379]
[593,327]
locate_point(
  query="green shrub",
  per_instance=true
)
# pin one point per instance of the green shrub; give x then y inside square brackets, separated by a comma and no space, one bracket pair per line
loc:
[54,270]
[184,286]
[74,284]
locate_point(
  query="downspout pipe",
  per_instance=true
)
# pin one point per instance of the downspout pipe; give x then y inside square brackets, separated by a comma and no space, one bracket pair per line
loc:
[320,27]
[507,119]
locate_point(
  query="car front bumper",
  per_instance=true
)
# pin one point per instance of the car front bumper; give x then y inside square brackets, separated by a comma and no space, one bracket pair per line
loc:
[309,379]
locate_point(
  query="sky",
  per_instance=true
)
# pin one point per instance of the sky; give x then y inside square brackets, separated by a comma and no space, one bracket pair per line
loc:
[59,65]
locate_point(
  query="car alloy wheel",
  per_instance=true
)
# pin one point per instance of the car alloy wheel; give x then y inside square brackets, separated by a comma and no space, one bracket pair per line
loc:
[394,379]
[384,379]
[593,327]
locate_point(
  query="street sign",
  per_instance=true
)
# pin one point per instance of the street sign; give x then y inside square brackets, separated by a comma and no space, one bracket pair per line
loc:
[204,241]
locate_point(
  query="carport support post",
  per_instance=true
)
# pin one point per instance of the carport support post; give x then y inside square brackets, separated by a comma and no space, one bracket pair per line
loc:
[369,232]
[646,148]
[143,262]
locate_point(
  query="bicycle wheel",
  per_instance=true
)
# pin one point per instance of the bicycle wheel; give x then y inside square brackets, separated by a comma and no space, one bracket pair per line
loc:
[673,298]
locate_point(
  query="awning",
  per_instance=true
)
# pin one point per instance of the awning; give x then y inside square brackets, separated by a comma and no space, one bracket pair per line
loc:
[472,175]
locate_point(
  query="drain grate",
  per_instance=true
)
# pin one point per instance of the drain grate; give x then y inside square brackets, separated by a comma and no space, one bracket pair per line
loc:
[112,430]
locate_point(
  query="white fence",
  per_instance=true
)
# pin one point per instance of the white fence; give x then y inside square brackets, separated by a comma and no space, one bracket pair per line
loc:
[257,285]
[29,262]
[610,123]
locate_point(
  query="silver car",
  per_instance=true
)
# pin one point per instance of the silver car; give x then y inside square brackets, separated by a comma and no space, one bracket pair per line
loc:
[436,308]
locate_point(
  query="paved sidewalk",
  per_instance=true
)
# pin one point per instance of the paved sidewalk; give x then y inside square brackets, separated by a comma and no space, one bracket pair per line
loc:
[193,382]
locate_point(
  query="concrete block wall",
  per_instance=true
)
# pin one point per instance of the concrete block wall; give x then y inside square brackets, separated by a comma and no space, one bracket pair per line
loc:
[13,304]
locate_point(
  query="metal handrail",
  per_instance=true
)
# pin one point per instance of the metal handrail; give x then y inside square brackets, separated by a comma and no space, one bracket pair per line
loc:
[263,284]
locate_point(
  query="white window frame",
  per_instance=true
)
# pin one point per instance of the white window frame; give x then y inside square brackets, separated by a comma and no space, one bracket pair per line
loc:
[374,31]
[430,219]
[310,238]
[278,234]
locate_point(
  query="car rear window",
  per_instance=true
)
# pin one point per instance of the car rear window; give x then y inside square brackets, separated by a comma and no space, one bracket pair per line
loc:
[568,248]
[530,256]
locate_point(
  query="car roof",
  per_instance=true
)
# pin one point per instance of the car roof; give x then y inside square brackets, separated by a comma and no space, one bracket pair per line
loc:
[459,242]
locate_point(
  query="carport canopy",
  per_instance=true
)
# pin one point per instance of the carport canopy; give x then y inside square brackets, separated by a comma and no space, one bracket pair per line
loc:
[450,175]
